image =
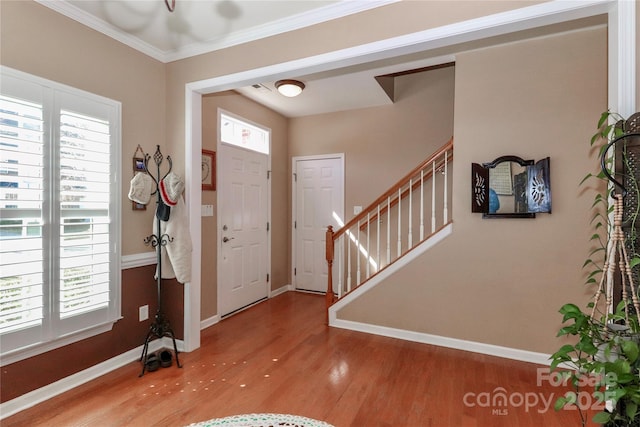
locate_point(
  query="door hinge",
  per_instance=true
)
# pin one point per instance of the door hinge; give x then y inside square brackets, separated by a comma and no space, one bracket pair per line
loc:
[267,226]
[295,225]
[295,177]
[268,174]
[295,271]
[267,277]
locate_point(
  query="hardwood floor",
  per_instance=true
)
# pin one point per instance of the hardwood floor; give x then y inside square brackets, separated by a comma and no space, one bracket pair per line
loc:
[280,357]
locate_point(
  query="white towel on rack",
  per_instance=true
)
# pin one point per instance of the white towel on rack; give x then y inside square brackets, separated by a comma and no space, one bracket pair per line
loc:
[176,255]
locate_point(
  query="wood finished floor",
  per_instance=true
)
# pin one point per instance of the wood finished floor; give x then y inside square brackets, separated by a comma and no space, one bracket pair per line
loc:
[280,357]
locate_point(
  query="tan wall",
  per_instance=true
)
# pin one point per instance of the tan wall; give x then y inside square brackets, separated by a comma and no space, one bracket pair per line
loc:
[382,144]
[501,281]
[280,231]
[36,40]
[85,59]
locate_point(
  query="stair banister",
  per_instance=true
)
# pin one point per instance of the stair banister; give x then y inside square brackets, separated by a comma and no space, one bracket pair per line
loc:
[438,161]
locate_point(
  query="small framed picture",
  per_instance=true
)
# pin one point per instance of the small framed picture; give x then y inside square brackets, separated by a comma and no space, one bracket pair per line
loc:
[138,164]
[208,170]
[138,206]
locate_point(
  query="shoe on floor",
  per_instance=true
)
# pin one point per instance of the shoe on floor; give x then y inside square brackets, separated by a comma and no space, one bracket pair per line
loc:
[165,358]
[152,363]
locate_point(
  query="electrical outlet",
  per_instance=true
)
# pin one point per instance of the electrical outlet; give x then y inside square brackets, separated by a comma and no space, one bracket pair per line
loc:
[143,311]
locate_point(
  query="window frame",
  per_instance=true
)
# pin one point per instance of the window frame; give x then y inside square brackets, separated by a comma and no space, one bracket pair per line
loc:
[56,331]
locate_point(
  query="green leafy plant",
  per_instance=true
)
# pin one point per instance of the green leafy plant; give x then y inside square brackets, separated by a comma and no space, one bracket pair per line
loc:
[604,360]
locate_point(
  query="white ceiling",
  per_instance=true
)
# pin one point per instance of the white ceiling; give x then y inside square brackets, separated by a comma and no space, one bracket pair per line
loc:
[200,26]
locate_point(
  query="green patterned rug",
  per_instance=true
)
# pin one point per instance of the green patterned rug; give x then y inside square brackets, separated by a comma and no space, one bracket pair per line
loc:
[262,420]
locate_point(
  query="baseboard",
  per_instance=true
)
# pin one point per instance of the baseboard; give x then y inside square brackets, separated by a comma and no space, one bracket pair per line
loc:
[458,344]
[204,324]
[280,290]
[49,391]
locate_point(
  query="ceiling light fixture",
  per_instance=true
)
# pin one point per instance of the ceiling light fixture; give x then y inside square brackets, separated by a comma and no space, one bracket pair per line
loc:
[289,88]
[171,6]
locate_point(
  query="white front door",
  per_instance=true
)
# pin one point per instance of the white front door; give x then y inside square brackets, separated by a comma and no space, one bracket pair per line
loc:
[318,189]
[243,229]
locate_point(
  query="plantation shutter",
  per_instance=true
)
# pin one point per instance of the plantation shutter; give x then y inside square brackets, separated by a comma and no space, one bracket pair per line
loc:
[59,222]
[84,177]
[22,175]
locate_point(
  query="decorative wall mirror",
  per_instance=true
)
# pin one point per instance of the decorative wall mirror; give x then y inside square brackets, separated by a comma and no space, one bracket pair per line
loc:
[510,187]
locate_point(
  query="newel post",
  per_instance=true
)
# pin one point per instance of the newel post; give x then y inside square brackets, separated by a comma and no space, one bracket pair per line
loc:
[329,253]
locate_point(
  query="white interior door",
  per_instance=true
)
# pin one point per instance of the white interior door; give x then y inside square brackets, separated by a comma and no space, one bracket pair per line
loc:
[319,197]
[242,233]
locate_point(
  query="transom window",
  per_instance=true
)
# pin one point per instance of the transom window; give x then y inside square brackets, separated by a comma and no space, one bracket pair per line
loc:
[238,132]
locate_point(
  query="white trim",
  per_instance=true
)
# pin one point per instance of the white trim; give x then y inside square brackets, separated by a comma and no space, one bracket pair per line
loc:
[51,390]
[475,29]
[622,58]
[138,260]
[280,290]
[294,201]
[458,344]
[387,272]
[312,17]
[209,322]
[193,192]
[215,319]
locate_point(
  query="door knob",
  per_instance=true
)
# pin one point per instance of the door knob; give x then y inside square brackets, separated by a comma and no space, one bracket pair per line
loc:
[225,239]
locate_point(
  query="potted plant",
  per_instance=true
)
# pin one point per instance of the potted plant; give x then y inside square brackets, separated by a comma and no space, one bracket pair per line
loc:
[603,363]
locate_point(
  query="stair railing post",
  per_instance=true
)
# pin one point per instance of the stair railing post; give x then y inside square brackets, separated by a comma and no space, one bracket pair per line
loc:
[329,254]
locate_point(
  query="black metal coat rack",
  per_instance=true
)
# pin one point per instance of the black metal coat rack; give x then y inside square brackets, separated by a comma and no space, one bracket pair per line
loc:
[160,326]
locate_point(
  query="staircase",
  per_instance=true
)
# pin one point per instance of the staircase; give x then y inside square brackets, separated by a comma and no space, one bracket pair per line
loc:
[404,221]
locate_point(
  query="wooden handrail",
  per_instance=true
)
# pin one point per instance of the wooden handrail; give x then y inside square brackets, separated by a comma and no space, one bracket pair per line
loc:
[392,190]
[391,197]
[394,200]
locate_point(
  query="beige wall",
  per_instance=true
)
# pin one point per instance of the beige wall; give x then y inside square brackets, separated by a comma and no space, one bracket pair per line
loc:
[233,102]
[501,281]
[85,59]
[37,40]
[382,144]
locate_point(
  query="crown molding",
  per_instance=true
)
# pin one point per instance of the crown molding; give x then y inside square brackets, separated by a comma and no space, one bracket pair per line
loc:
[294,22]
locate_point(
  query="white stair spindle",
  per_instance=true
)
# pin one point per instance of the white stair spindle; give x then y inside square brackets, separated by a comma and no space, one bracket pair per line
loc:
[388,230]
[399,222]
[446,196]
[340,266]
[421,204]
[378,239]
[349,263]
[433,197]
[368,251]
[410,229]
[358,276]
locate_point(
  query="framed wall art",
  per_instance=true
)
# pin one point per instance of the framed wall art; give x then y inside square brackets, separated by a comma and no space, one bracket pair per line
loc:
[208,170]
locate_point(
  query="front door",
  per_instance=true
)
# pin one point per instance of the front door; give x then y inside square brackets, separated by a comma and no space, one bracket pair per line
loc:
[243,229]
[319,202]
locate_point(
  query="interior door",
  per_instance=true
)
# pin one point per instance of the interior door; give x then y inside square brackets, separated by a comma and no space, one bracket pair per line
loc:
[243,240]
[319,199]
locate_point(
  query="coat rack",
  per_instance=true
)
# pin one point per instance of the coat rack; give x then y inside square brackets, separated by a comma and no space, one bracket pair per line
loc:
[160,327]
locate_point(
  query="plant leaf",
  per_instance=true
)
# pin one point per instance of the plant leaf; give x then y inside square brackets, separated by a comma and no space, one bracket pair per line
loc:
[630,349]
[602,418]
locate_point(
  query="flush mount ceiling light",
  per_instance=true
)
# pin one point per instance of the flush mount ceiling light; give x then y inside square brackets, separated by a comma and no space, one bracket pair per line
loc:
[289,88]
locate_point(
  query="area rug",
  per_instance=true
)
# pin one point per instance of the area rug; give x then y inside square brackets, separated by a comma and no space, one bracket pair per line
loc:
[262,420]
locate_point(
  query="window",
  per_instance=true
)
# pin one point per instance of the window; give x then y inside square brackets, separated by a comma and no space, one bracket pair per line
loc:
[60,209]
[238,132]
